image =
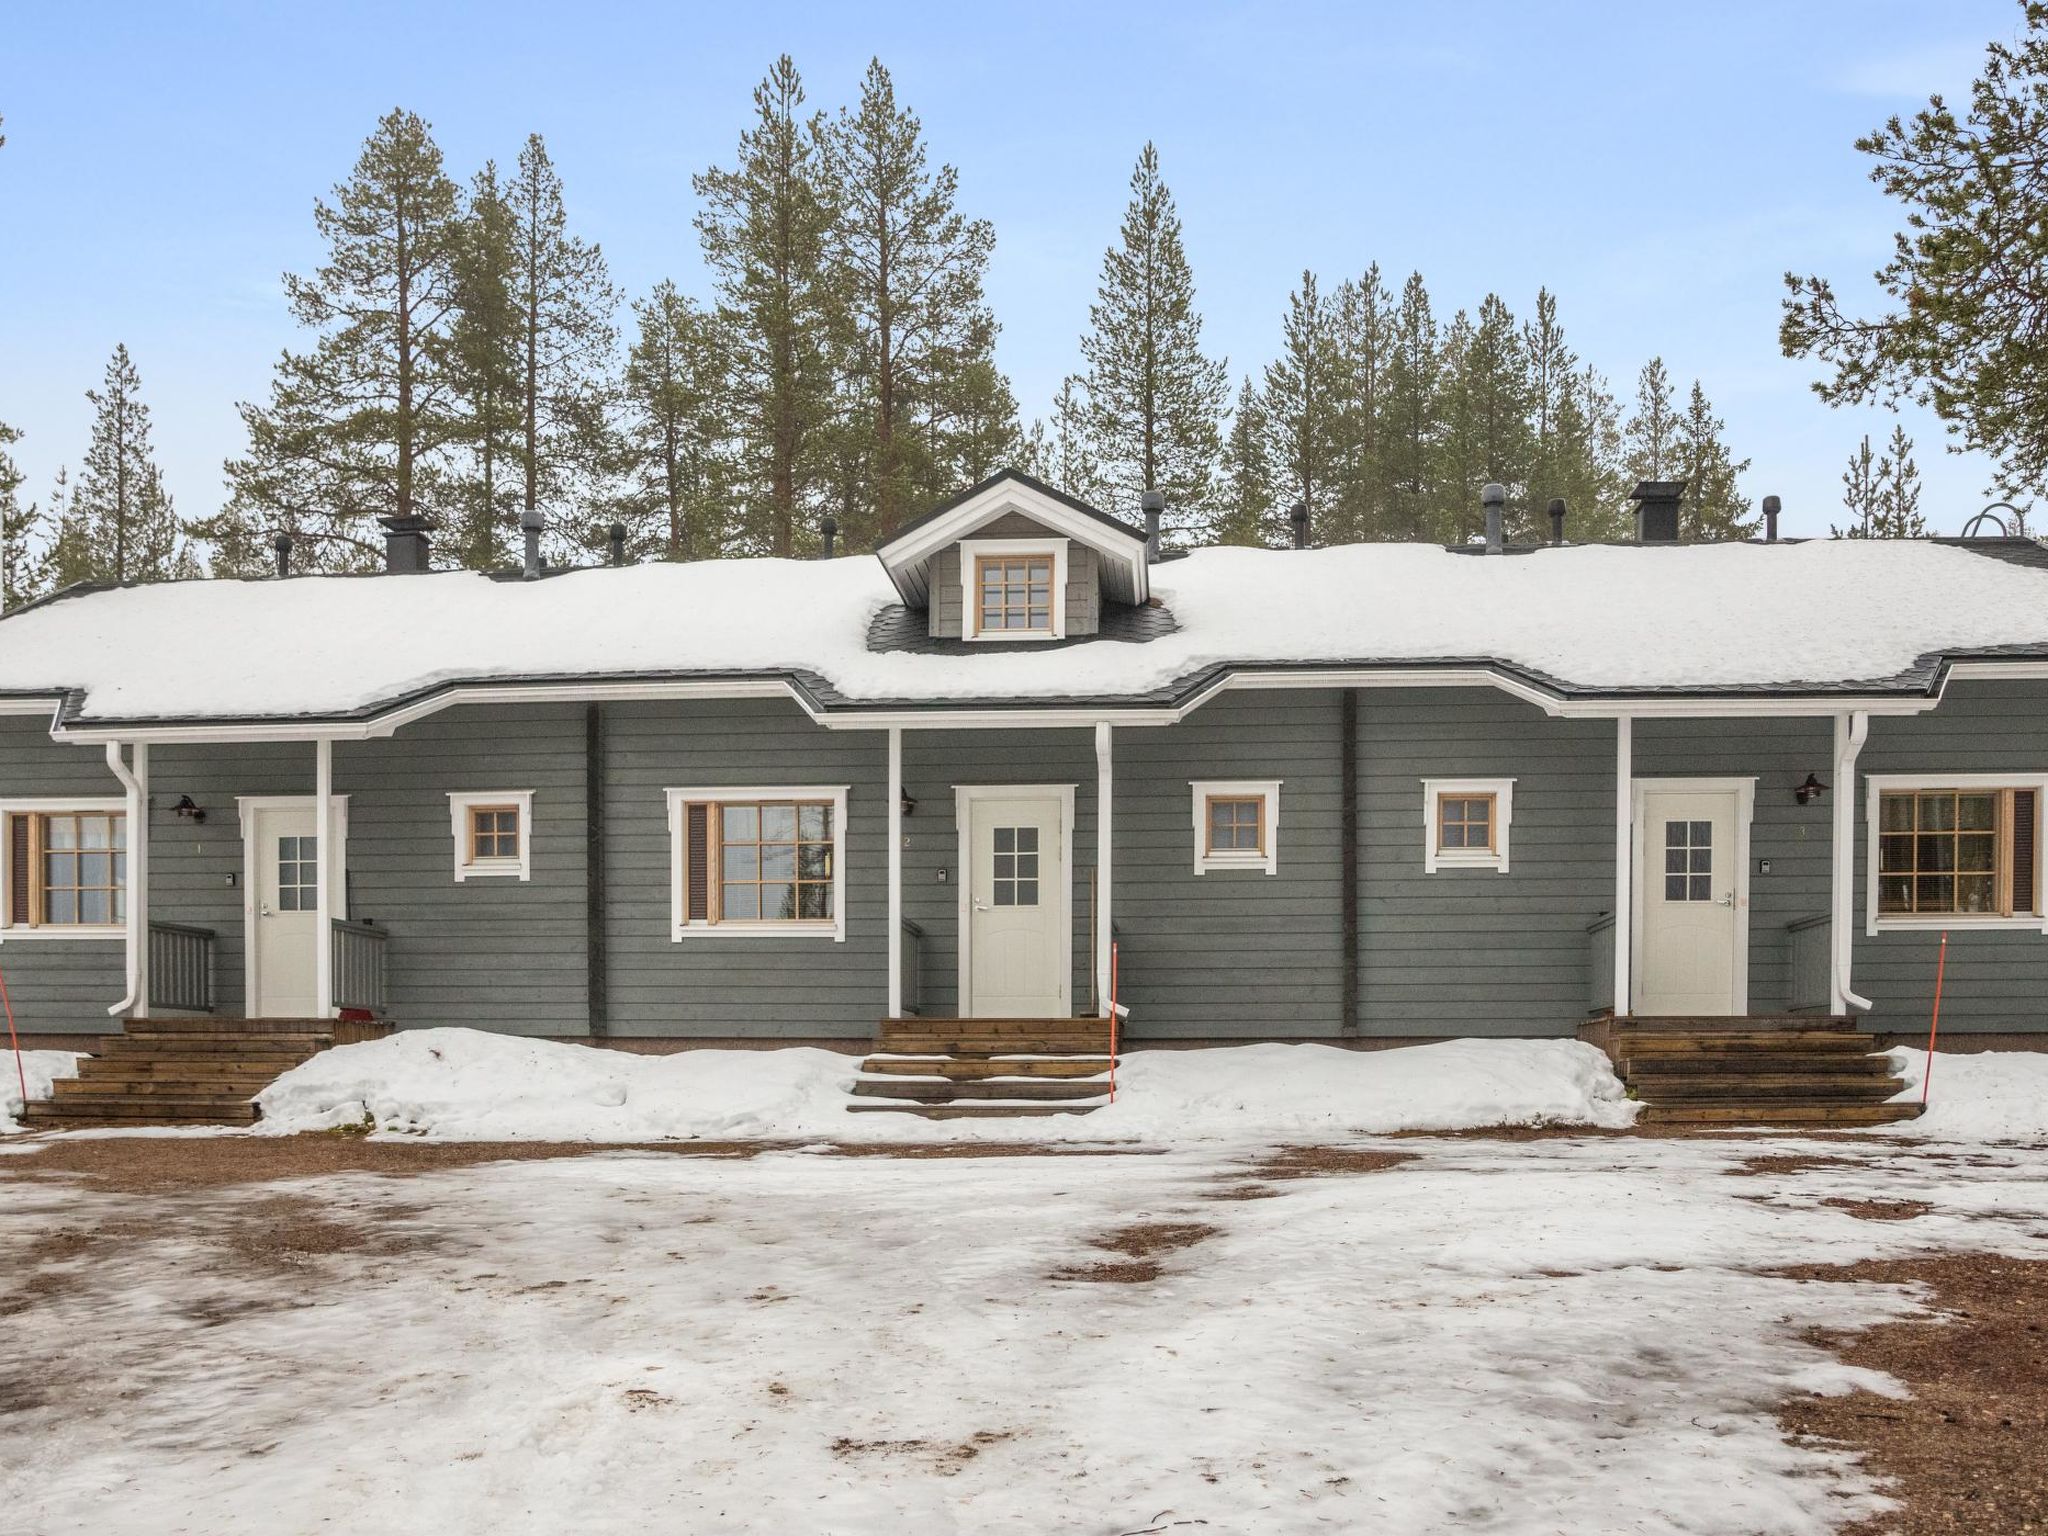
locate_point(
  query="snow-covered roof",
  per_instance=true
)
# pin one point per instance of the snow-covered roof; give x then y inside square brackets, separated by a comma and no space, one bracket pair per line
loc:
[907,555]
[1576,621]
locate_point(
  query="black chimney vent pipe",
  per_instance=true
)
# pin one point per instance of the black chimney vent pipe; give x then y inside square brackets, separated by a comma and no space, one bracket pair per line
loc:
[1657,510]
[405,543]
[1557,520]
[530,524]
[1298,516]
[828,530]
[1772,506]
[1493,496]
[1154,505]
[616,534]
[282,544]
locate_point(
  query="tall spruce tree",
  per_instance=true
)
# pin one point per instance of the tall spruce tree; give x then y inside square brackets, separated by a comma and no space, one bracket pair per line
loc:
[484,364]
[354,427]
[1714,508]
[565,304]
[1860,494]
[909,267]
[1158,400]
[1586,470]
[1486,435]
[1881,492]
[1651,439]
[1409,411]
[1300,400]
[1245,512]
[766,229]
[1362,327]
[679,466]
[70,552]
[1554,425]
[24,538]
[130,528]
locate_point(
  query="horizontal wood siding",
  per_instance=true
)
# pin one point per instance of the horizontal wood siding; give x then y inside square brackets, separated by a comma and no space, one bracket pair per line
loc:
[1232,953]
[1995,981]
[1794,838]
[1084,580]
[713,985]
[1474,951]
[57,985]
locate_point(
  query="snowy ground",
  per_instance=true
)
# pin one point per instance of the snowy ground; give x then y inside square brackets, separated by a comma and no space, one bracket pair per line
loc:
[38,1069]
[1529,1336]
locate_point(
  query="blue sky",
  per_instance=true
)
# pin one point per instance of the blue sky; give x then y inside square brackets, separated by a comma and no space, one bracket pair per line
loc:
[1657,166]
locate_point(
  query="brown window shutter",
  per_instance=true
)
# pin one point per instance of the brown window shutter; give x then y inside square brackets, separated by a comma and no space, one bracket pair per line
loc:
[2026,884]
[19,852]
[697,862]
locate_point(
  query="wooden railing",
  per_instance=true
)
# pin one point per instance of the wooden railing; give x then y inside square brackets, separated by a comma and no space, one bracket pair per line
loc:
[1600,964]
[913,968]
[180,967]
[1811,988]
[359,966]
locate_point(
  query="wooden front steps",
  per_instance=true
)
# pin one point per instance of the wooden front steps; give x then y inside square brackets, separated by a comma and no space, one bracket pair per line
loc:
[184,1071]
[1769,1069]
[945,1069]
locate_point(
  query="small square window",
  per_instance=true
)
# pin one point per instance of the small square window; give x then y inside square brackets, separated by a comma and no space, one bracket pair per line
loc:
[1237,824]
[492,833]
[1465,823]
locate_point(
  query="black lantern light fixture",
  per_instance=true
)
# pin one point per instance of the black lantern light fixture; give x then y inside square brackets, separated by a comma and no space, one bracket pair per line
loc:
[189,810]
[909,805]
[1810,791]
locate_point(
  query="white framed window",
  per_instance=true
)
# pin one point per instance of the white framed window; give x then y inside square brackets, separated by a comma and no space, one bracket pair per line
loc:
[1237,824]
[1465,824]
[758,861]
[1013,589]
[1954,850]
[492,829]
[67,867]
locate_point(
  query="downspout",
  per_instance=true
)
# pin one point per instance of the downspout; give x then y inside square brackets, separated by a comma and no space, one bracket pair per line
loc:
[1851,731]
[135,929]
[596,891]
[1347,758]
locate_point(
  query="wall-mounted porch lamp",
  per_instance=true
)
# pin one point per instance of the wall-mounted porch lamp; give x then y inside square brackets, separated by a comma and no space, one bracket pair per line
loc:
[1810,791]
[187,809]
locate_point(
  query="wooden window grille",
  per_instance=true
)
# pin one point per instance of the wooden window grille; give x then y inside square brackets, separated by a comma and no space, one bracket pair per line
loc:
[758,861]
[1013,593]
[67,869]
[1957,852]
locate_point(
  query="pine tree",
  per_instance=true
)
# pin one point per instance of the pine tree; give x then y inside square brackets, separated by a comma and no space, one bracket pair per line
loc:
[131,531]
[1651,438]
[1362,329]
[1586,470]
[71,555]
[1301,405]
[974,428]
[24,536]
[675,399]
[1244,499]
[565,302]
[1861,494]
[354,426]
[484,357]
[1060,452]
[766,228]
[1485,420]
[910,268]
[1714,508]
[1158,399]
[1553,380]
[1899,489]
[1409,410]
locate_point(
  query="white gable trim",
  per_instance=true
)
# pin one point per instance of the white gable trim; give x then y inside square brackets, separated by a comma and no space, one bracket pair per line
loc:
[905,558]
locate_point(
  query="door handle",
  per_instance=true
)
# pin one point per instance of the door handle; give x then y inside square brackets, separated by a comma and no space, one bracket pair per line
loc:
[980,906]
[263,909]
[1728,900]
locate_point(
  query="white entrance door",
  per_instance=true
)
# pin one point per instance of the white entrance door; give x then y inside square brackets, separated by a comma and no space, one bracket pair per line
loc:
[1019,950]
[283,870]
[1692,897]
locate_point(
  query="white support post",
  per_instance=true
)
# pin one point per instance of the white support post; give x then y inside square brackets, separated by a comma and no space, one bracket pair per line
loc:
[1104,883]
[323,866]
[895,872]
[1851,730]
[1624,863]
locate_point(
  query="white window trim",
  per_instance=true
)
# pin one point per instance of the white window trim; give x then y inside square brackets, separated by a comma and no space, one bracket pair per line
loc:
[1877,784]
[973,550]
[1206,790]
[460,803]
[680,926]
[1435,859]
[57,805]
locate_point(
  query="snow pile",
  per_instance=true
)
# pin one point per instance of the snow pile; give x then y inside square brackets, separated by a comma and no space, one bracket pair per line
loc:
[1717,615]
[467,1085]
[41,1068]
[1984,1096]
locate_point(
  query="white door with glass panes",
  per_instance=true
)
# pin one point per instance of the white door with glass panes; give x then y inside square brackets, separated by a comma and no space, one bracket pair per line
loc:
[283,899]
[1019,950]
[1692,917]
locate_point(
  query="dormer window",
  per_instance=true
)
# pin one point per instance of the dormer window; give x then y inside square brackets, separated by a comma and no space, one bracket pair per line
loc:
[1014,589]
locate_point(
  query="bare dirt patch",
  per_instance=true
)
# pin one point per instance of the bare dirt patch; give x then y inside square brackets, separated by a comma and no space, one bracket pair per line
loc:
[946,1457]
[157,1163]
[1788,1162]
[1141,1245]
[1882,1210]
[1316,1162]
[945,1149]
[1965,1451]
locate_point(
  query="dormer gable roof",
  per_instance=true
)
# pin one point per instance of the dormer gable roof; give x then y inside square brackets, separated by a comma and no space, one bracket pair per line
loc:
[907,556]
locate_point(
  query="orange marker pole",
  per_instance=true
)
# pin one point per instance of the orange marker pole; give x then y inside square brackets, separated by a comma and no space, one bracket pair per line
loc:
[1112,1022]
[1934,1025]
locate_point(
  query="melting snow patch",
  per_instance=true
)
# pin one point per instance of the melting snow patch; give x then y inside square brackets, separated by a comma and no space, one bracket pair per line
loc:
[1982,1096]
[41,1068]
